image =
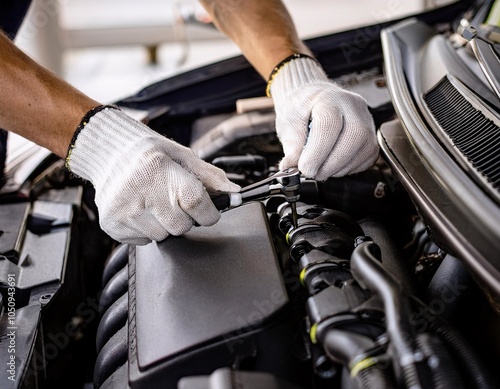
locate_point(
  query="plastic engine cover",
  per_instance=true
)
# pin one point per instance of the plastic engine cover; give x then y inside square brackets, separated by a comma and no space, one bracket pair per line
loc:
[202,301]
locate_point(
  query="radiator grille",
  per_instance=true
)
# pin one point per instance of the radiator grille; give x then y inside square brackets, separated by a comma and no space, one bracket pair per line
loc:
[474,135]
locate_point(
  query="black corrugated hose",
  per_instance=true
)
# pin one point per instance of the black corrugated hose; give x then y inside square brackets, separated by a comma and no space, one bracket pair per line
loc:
[369,272]
[469,363]
[442,366]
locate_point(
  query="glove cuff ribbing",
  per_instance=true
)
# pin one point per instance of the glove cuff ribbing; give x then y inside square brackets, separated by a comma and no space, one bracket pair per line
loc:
[93,149]
[294,74]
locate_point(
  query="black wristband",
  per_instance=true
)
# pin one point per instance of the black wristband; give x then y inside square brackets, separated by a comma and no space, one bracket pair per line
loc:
[279,66]
[81,126]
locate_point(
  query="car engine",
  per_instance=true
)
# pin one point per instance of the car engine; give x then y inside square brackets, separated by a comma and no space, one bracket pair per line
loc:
[389,278]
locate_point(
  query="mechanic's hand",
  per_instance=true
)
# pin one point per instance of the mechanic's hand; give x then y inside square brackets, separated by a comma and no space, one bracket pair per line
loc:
[325,130]
[147,186]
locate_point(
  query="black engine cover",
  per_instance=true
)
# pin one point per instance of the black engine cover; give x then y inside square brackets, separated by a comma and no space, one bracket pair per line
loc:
[204,300]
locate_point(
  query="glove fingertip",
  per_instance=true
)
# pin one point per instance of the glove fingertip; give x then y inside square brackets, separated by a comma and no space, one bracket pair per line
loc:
[158,236]
[215,179]
[229,187]
[308,166]
[136,241]
[322,177]
[288,161]
[308,172]
[224,186]
[209,218]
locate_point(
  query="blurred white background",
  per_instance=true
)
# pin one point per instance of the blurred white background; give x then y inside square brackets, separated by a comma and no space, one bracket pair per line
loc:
[111,48]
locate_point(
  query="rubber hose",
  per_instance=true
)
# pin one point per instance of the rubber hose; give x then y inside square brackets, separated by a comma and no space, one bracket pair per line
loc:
[461,350]
[451,271]
[367,269]
[376,377]
[446,373]
[392,253]
[346,347]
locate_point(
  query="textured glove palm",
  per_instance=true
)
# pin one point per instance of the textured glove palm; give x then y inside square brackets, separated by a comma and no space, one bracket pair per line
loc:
[147,186]
[325,130]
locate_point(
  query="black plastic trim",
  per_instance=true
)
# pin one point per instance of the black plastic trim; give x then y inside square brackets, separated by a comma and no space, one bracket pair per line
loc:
[480,212]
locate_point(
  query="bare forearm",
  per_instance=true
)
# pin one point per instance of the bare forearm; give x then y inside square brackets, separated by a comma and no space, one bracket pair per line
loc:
[36,104]
[263,29]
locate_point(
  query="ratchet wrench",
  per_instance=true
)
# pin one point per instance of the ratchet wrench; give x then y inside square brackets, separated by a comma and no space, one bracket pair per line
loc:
[286,182]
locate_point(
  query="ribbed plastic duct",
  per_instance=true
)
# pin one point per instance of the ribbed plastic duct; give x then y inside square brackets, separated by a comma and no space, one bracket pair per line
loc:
[474,135]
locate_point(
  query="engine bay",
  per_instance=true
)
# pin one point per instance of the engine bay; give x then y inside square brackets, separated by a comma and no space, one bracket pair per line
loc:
[384,280]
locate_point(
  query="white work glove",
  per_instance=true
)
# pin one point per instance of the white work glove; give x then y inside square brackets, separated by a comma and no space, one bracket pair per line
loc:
[325,130]
[147,186]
